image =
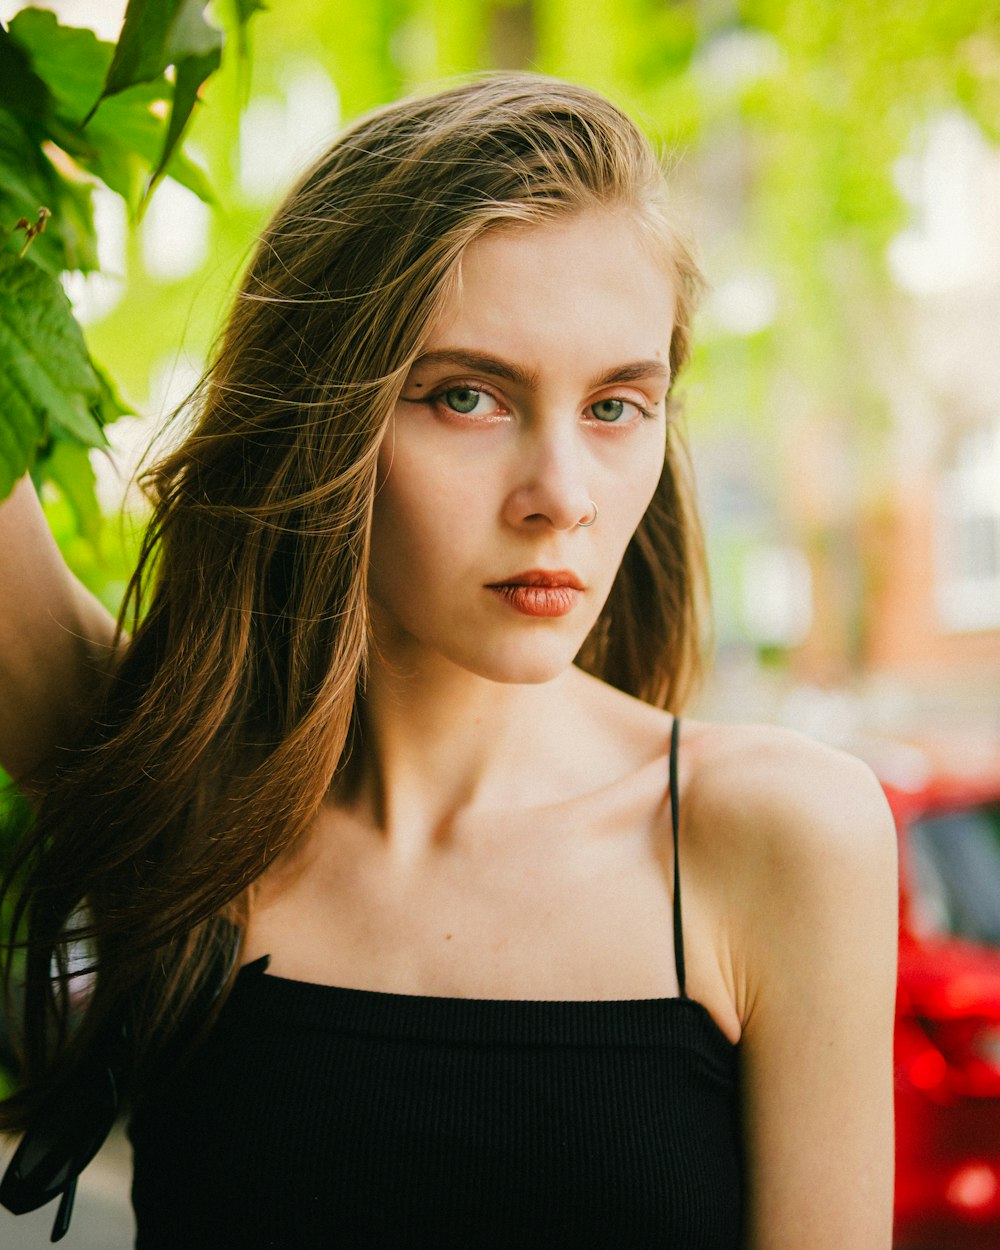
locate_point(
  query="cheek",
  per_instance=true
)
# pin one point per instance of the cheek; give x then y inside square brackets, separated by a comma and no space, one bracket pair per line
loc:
[420,518]
[628,501]
[397,539]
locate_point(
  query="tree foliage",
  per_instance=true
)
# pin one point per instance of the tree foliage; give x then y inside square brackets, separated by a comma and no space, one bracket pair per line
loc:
[76,112]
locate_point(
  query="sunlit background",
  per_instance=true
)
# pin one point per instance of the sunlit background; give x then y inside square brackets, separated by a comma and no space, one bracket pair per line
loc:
[838,167]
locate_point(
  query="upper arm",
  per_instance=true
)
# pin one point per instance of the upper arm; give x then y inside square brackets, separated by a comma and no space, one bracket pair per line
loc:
[55,638]
[820,932]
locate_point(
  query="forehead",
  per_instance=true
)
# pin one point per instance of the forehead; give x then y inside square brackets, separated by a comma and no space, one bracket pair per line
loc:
[586,286]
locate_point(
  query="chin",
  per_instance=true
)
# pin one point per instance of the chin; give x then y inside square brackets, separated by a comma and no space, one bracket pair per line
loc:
[532,670]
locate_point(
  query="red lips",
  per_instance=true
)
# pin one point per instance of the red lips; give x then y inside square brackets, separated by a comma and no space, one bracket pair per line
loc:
[540,592]
[541,577]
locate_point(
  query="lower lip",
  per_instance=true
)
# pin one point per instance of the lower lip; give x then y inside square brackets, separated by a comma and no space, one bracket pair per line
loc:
[539,600]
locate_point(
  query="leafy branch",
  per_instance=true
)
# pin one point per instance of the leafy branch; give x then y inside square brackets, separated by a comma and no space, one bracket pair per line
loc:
[77,112]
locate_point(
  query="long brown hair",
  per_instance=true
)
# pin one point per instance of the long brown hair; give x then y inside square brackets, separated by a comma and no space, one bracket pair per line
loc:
[231,709]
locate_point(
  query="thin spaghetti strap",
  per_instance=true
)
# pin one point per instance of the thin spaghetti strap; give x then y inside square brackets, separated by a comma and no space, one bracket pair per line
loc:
[675,737]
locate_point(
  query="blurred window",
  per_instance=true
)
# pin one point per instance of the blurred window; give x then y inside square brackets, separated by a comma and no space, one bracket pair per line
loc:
[777,596]
[968,534]
[949,180]
[955,859]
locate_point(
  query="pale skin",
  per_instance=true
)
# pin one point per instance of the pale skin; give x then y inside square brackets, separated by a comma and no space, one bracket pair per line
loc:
[54,637]
[510,835]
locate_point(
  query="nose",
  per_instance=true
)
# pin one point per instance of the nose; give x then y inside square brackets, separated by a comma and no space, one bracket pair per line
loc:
[551,490]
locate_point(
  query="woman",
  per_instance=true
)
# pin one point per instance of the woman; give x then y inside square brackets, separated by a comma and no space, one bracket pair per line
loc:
[421,581]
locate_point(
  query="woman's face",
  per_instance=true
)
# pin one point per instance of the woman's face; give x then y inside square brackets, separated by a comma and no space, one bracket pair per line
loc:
[539,394]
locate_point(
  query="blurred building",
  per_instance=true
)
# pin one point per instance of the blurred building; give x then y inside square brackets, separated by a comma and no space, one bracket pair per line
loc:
[866,562]
[933,621]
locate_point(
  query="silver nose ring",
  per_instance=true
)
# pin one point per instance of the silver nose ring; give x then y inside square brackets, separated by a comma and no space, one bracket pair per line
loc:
[585,524]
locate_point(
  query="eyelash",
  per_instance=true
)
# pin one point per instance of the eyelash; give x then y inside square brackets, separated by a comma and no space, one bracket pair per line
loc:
[432,400]
[645,414]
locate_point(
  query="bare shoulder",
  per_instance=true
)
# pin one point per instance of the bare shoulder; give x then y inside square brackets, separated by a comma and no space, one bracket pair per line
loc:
[793,846]
[773,797]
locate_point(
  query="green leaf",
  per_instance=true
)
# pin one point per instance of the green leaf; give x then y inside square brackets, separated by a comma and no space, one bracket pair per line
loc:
[124,140]
[110,405]
[21,89]
[27,183]
[191,73]
[18,443]
[68,466]
[158,33]
[243,11]
[47,382]
[120,129]
[73,217]
[70,62]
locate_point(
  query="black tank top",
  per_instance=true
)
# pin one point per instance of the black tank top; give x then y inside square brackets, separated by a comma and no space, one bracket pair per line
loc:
[320,1117]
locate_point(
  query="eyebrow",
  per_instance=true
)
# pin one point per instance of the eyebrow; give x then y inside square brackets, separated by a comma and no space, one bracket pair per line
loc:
[481,362]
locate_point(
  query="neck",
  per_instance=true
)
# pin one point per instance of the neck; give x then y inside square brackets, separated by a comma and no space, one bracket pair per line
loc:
[439,742]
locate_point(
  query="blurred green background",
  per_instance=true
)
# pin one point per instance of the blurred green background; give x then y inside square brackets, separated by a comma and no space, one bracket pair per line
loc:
[837,165]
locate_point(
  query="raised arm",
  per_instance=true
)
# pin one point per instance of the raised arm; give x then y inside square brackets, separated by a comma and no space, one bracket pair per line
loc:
[54,638]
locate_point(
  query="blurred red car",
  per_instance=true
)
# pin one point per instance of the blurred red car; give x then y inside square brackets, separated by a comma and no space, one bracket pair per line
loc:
[948,1015]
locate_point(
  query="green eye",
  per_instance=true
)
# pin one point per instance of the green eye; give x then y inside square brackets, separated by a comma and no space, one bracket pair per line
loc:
[608,409]
[462,399]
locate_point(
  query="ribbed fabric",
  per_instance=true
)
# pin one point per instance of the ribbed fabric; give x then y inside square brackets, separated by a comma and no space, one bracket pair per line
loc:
[316,1117]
